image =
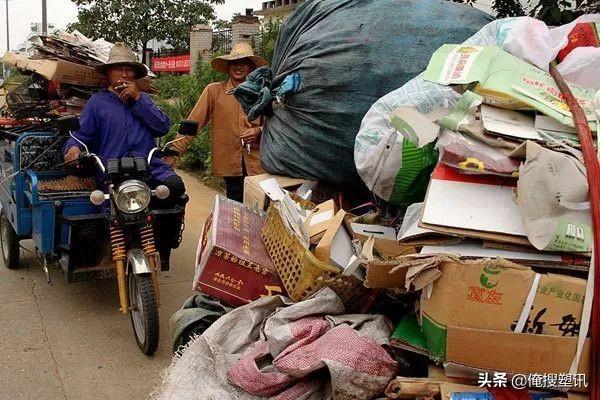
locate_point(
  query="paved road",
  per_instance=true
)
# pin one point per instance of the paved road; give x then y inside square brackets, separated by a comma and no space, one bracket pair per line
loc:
[68,341]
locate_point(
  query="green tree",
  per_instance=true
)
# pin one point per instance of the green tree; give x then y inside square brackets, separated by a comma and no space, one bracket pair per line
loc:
[552,12]
[267,39]
[136,22]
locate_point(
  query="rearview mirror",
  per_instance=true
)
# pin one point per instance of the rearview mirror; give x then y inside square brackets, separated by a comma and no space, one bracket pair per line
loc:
[188,128]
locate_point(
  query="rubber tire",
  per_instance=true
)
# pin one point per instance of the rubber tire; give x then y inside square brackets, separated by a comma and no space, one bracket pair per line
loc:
[12,259]
[150,306]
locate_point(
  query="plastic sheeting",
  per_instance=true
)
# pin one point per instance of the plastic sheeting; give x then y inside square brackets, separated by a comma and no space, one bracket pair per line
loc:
[348,54]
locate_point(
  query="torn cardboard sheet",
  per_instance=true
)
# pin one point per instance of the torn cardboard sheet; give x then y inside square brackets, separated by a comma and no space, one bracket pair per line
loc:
[384,240]
[513,124]
[319,219]
[554,201]
[473,205]
[255,196]
[335,248]
[474,249]
[466,118]
[411,234]
[404,271]
[505,80]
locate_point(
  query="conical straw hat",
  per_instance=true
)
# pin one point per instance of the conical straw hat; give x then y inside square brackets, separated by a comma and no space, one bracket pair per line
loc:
[121,54]
[239,51]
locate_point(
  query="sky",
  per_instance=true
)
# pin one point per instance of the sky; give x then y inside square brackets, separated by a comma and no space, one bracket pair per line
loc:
[21,13]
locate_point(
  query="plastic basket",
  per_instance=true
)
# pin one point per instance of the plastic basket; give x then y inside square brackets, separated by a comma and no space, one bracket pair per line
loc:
[300,271]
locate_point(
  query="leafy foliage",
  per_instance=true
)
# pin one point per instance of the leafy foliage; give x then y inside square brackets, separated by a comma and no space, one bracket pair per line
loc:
[136,22]
[177,95]
[508,8]
[552,12]
[268,39]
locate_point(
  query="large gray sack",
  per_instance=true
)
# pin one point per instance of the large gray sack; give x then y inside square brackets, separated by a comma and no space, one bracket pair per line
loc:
[349,53]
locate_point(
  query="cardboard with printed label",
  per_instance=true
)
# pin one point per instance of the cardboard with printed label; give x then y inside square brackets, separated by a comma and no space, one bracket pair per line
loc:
[319,219]
[256,198]
[490,295]
[232,262]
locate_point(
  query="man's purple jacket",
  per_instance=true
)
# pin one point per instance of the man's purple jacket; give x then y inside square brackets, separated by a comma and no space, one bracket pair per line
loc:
[113,129]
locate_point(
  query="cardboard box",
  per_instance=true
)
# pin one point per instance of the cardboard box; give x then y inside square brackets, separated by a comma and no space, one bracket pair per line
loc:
[256,198]
[232,262]
[513,352]
[57,70]
[335,248]
[319,219]
[492,296]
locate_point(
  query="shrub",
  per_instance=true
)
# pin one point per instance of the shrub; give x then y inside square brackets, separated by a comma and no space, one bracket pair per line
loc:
[177,95]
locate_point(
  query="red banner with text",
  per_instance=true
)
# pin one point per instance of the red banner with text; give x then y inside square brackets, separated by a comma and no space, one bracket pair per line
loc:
[171,64]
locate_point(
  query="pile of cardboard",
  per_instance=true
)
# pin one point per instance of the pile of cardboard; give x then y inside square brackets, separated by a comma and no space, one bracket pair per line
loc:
[504,234]
[488,274]
[55,77]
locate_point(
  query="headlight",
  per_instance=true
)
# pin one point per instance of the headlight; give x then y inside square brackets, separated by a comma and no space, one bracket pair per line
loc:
[132,197]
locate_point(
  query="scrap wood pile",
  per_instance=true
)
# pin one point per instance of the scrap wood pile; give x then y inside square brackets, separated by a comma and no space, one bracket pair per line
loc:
[481,288]
[55,77]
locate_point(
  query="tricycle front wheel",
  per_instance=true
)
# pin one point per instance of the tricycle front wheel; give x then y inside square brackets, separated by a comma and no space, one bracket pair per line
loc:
[9,242]
[144,312]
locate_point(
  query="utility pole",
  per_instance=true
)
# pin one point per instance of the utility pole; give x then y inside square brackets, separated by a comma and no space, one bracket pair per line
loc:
[44,19]
[7,31]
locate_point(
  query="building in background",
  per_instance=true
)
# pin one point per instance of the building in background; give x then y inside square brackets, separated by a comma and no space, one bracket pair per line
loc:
[205,42]
[277,9]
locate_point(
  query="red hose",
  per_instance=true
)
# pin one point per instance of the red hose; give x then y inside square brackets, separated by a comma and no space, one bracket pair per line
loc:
[593,175]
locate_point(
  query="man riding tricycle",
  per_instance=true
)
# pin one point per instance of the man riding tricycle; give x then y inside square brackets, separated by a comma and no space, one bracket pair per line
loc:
[96,197]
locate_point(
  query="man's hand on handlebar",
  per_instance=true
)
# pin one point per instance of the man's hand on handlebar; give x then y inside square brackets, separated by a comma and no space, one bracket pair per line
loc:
[72,154]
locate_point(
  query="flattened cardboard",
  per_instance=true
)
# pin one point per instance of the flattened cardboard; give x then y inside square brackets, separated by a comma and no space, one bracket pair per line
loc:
[472,202]
[256,198]
[411,234]
[518,353]
[379,275]
[473,206]
[474,249]
[57,70]
[509,123]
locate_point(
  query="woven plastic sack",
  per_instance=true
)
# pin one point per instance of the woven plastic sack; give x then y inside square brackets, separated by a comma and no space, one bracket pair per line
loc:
[348,54]
[379,148]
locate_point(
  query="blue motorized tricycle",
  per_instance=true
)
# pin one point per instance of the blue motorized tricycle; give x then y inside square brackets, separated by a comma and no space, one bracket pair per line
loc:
[91,227]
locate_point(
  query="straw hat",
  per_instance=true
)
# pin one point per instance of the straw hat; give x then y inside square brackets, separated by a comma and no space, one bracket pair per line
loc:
[121,54]
[239,51]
